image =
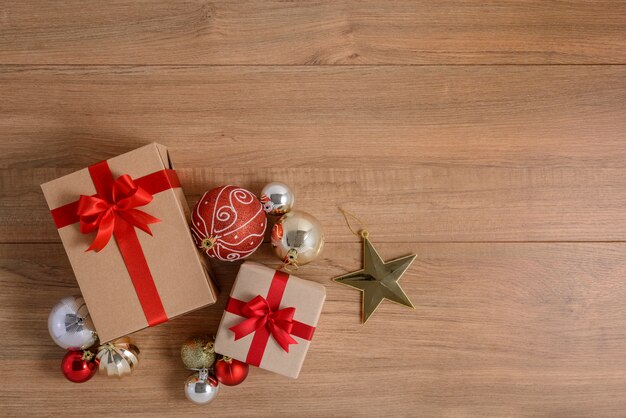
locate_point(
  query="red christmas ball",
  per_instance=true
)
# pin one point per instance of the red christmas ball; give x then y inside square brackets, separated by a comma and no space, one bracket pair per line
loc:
[79,366]
[228,223]
[230,372]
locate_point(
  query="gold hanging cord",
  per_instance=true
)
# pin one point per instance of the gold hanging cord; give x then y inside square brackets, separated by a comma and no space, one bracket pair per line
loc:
[347,215]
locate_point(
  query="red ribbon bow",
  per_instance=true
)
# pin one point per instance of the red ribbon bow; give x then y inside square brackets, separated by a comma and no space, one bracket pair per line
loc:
[105,213]
[259,313]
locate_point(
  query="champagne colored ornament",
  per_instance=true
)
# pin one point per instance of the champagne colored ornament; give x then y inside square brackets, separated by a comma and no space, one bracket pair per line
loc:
[231,372]
[69,324]
[198,353]
[79,366]
[228,223]
[378,279]
[201,388]
[277,198]
[118,358]
[297,238]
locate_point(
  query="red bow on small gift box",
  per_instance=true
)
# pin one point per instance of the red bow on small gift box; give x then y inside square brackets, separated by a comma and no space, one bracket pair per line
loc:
[279,323]
[265,319]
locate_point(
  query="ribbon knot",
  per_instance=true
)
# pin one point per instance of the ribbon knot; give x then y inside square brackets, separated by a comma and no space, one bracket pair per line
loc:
[105,211]
[259,314]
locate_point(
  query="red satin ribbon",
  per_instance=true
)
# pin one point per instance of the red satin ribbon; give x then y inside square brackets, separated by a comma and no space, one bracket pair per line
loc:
[104,212]
[153,183]
[112,212]
[265,319]
[259,314]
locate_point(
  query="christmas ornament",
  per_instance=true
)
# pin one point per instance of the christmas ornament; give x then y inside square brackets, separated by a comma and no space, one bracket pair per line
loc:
[118,358]
[201,388]
[79,366]
[198,353]
[377,280]
[277,198]
[230,372]
[297,238]
[228,223]
[69,324]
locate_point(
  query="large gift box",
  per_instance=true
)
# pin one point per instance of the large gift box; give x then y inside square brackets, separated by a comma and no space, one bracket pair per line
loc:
[123,223]
[270,319]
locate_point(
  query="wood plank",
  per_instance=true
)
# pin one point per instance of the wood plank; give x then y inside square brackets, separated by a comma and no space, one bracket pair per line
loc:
[324,32]
[398,205]
[325,117]
[441,153]
[499,329]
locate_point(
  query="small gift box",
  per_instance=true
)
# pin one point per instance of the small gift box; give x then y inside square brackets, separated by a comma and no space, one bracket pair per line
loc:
[123,223]
[270,319]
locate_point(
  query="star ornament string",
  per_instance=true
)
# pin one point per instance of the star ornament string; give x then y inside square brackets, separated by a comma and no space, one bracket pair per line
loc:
[378,280]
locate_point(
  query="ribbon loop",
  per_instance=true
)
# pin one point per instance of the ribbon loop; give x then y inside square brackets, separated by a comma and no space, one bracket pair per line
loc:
[118,204]
[259,314]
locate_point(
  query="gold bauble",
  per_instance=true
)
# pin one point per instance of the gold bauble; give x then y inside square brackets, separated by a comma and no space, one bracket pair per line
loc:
[118,358]
[198,353]
[297,238]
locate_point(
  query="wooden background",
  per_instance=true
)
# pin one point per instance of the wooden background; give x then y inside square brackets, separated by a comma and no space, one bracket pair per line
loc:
[488,137]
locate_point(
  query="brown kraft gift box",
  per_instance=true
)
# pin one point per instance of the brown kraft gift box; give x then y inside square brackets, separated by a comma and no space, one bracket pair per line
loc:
[180,280]
[283,292]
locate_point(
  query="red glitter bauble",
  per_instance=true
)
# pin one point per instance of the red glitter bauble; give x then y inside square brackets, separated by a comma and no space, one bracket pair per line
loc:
[230,372]
[228,223]
[79,366]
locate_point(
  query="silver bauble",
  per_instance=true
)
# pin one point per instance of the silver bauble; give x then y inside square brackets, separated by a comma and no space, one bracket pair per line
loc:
[297,238]
[200,388]
[69,324]
[277,198]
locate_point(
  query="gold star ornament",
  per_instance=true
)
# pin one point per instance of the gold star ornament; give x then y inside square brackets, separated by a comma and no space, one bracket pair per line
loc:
[378,280]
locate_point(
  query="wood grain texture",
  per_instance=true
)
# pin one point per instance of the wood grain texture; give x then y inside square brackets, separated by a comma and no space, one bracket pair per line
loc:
[475,153]
[324,32]
[324,117]
[399,205]
[437,122]
[499,329]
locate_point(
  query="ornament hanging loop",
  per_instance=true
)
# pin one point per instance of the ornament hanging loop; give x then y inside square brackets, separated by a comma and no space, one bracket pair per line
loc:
[348,216]
[290,262]
[288,266]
